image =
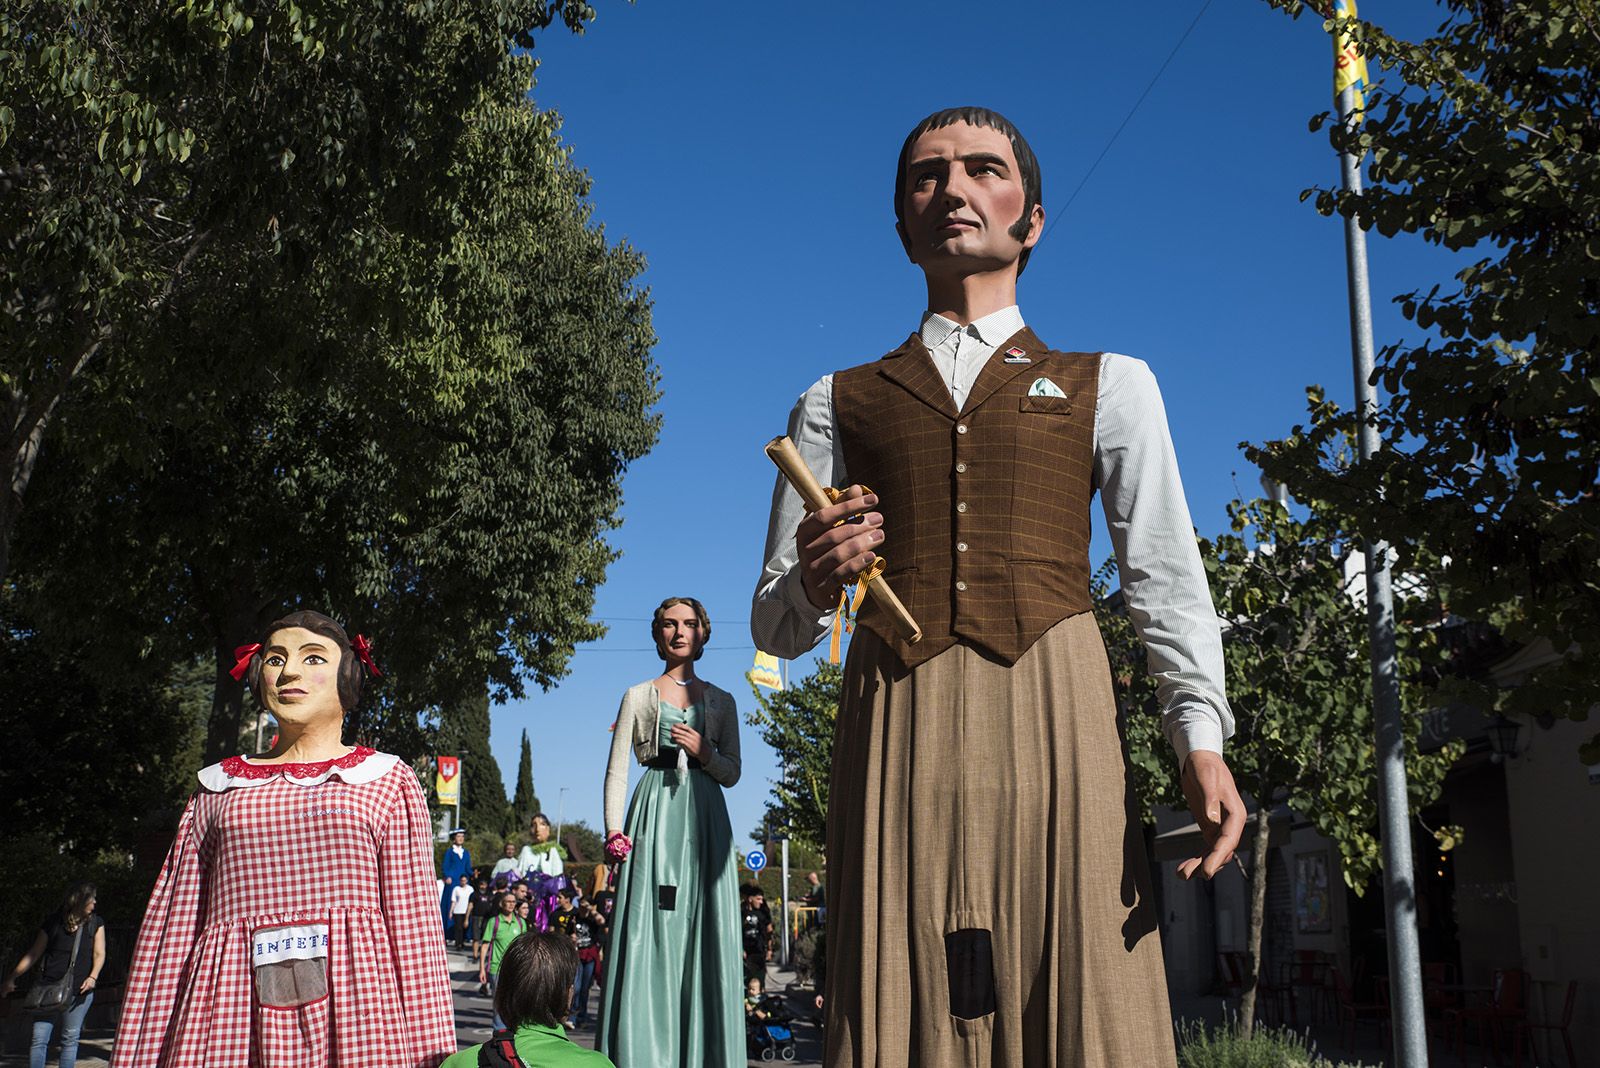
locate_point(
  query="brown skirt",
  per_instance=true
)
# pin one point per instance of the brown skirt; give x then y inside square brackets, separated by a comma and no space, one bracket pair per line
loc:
[988,896]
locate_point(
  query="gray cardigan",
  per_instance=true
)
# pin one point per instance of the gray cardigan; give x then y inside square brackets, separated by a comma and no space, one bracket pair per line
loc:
[639,722]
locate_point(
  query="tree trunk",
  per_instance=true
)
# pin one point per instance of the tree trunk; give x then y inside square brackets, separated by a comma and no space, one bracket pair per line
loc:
[27,416]
[243,623]
[227,710]
[1258,912]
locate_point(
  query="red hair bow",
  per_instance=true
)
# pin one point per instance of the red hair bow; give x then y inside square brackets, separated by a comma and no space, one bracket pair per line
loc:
[243,655]
[363,649]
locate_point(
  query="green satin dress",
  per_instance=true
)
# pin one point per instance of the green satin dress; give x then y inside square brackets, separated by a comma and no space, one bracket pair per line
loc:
[673,996]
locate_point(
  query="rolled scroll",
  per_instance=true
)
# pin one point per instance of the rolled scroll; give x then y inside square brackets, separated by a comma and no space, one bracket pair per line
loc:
[783,453]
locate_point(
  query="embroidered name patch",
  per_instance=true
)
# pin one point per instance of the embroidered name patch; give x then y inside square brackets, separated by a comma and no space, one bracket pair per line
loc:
[304,942]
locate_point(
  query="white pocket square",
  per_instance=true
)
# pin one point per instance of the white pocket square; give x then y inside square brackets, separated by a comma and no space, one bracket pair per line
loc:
[1043,387]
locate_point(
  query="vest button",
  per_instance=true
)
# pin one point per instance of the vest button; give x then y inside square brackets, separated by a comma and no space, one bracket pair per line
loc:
[961,428]
[961,546]
[961,586]
[961,469]
[961,506]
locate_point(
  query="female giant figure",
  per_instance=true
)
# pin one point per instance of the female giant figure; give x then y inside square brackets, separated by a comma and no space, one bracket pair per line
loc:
[293,923]
[672,996]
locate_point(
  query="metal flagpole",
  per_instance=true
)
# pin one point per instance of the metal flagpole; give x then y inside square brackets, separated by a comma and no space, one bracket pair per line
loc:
[784,888]
[1399,881]
[461,768]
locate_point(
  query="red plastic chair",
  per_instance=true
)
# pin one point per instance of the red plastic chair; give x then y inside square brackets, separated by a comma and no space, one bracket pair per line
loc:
[1352,1012]
[1437,1000]
[1524,1031]
[1507,1005]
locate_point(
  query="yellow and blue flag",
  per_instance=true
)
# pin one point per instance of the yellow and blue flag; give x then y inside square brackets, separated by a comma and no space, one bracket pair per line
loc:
[1349,65]
[766,671]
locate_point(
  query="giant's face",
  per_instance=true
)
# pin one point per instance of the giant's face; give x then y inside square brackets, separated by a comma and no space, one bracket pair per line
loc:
[300,676]
[963,194]
[680,634]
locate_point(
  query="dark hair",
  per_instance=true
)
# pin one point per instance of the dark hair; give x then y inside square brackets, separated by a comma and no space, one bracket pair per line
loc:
[699,614]
[536,979]
[77,899]
[350,667]
[567,892]
[1027,164]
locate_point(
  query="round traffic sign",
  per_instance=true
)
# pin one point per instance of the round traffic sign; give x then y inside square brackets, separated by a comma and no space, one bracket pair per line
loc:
[755,860]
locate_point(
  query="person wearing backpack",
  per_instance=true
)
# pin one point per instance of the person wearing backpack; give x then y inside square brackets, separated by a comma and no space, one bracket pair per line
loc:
[498,934]
[532,996]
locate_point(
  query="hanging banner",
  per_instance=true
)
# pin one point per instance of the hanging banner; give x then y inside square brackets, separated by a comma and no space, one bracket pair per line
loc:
[448,783]
[1349,65]
[766,672]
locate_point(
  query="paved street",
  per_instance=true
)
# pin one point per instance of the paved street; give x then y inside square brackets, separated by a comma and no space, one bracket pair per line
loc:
[473,1024]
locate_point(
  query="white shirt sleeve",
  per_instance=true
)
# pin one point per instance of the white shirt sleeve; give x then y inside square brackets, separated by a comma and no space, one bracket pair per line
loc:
[783,621]
[1158,558]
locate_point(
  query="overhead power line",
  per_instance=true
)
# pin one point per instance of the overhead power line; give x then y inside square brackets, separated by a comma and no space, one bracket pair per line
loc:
[1125,119]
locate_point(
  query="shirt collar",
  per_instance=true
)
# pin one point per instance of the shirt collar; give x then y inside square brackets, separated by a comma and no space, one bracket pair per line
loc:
[989,330]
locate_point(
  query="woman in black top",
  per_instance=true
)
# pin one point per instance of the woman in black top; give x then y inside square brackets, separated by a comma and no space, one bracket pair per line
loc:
[52,948]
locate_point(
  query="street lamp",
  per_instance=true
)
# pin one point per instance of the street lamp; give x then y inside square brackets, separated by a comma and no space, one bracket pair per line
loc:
[1503,737]
[561,808]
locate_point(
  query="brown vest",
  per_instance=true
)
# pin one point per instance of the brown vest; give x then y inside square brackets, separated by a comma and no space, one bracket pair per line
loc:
[986,511]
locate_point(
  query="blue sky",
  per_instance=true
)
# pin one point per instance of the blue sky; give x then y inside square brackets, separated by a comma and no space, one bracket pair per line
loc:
[749,150]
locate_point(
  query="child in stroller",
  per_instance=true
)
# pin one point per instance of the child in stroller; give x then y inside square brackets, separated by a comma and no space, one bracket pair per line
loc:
[766,1023]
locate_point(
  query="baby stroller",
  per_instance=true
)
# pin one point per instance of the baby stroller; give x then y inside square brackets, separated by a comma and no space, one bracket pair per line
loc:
[771,1038]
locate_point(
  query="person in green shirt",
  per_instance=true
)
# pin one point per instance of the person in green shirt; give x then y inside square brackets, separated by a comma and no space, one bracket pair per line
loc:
[534,991]
[498,934]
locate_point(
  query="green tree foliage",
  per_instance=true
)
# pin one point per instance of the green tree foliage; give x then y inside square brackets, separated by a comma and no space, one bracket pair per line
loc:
[155,157]
[582,842]
[410,409]
[1484,139]
[1299,680]
[524,803]
[464,731]
[95,774]
[798,724]
[585,852]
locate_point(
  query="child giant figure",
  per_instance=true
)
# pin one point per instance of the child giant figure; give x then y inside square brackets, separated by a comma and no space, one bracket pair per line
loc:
[989,898]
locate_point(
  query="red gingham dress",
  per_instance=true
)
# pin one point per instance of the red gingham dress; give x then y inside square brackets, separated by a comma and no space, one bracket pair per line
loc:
[345,843]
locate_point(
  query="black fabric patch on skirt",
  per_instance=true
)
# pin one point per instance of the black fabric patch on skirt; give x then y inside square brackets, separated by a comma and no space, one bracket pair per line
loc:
[969,962]
[667,898]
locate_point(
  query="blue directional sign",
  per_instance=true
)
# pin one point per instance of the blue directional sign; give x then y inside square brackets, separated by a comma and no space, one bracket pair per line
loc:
[755,860]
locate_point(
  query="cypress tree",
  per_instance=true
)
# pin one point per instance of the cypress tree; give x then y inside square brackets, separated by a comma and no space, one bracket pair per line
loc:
[525,803]
[465,726]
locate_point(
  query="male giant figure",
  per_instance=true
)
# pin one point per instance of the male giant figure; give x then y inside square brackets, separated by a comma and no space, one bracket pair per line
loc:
[990,900]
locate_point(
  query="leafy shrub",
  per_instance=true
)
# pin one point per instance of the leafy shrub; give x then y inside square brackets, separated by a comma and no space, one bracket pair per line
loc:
[1266,1047]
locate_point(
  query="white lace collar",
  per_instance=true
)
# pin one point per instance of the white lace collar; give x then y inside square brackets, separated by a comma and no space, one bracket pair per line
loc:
[361,765]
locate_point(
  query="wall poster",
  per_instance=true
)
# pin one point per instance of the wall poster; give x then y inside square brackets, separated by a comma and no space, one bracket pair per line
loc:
[1313,900]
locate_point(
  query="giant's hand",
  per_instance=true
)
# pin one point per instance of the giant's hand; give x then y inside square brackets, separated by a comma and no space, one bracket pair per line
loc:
[1218,809]
[691,741]
[832,553]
